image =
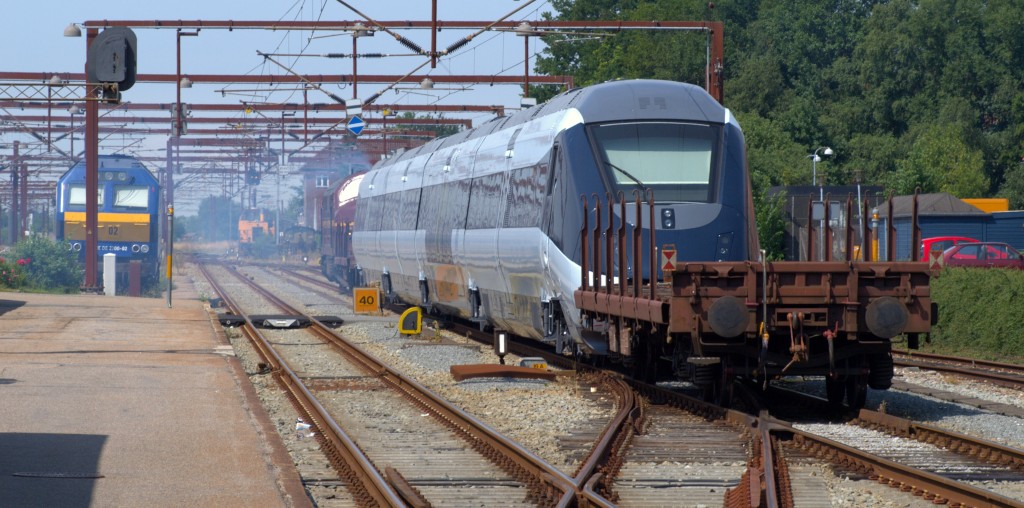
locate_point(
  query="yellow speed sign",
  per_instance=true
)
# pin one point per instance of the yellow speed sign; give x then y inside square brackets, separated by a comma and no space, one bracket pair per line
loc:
[366,300]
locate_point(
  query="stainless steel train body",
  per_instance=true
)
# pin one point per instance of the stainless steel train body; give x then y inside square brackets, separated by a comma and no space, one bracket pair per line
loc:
[486,223]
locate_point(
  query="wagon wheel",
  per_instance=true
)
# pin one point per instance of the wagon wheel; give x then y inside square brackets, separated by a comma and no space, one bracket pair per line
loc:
[645,363]
[856,391]
[724,386]
[835,389]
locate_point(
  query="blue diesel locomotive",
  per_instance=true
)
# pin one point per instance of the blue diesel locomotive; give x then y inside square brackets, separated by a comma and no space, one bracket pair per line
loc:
[128,216]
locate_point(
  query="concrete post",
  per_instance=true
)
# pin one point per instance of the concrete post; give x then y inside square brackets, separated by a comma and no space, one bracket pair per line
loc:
[109,274]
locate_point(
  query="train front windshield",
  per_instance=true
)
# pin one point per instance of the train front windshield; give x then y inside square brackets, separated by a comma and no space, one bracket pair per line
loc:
[673,159]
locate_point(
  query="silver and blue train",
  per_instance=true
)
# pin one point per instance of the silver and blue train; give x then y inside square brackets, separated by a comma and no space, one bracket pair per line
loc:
[128,215]
[486,224]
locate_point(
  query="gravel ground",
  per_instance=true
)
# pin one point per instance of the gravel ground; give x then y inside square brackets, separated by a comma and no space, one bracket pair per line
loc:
[1005,430]
[538,413]
[922,455]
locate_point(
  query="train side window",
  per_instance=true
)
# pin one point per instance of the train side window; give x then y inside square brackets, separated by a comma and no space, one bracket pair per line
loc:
[555,164]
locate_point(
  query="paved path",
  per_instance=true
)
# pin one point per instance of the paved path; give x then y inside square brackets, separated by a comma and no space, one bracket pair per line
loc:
[120,401]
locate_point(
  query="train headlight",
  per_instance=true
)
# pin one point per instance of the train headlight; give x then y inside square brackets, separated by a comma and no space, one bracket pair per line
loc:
[723,247]
[668,218]
[886,317]
[144,248]
[76,247]
[135,248]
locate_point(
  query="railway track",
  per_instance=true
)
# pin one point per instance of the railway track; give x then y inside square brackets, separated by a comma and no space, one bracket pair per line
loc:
[362,482]
[660,456]
[906,452]
[449,456]
[1003,374]
[634,479]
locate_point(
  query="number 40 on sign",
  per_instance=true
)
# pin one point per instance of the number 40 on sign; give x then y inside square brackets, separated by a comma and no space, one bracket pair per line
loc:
[366,300]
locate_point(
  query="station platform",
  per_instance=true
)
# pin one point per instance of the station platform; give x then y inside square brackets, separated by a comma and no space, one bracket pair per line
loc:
[121,401]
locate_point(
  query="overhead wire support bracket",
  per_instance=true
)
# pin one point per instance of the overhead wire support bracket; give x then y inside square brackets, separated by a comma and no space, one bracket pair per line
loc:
[57,92]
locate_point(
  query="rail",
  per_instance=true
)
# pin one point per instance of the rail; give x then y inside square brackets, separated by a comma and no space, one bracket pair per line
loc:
[548,485]
[1003,374]
[367,484]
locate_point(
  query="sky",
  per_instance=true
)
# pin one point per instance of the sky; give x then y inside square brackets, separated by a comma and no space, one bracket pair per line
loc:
[33,41]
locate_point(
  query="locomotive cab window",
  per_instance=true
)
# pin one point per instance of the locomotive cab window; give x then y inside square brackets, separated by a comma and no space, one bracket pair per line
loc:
[673,159]
[131,197]
[76,195]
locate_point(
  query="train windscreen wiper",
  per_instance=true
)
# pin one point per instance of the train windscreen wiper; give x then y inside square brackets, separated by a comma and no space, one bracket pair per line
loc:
[630,176]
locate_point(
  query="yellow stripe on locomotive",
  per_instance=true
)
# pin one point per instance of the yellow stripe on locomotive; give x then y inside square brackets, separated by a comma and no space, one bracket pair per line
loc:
[111,227]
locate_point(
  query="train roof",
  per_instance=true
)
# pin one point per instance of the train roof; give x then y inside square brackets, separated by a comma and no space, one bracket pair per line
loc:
[635,99]
[109,161]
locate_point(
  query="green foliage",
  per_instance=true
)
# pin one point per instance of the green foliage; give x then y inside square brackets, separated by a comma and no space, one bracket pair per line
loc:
[1013,187]
[439,130]
[770,216]
[51,266]
[940,161]
[979,312]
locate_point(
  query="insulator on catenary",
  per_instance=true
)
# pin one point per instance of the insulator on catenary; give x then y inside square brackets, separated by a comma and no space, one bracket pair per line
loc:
[409,44]
[457,45]
[337,99]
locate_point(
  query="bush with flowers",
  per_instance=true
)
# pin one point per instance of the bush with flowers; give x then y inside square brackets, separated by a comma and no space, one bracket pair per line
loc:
[12,273]
[44,265]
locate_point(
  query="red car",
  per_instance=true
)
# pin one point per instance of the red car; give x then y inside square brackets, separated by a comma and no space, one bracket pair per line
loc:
[983,255]
[941,243]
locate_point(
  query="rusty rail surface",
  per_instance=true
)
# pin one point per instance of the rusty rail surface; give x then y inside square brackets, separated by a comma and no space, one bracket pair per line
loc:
[1003,374]
[605,458]
[974,447]
[548,485]
[367,484]
[929,486]
[909,478]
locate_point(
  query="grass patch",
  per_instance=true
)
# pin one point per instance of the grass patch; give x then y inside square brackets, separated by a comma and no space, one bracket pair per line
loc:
[981,314]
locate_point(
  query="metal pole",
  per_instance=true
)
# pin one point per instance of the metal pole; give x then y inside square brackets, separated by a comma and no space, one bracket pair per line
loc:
[170,250]
[526,66]
[12,223]
[92,164]
[355,79]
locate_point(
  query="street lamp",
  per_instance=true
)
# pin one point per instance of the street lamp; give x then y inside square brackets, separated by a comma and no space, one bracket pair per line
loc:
[815,158]
[72,30]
